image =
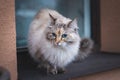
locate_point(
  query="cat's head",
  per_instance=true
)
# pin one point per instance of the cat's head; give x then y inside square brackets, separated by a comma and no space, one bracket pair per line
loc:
[61,34]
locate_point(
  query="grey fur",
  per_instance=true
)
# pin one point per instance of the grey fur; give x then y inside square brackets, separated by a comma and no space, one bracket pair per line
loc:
[41,42]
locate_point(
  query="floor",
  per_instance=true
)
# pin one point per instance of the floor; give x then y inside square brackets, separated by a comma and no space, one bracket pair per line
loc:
[96,62]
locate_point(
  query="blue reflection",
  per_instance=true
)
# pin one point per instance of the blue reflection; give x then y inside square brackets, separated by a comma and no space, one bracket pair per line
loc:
[26,10]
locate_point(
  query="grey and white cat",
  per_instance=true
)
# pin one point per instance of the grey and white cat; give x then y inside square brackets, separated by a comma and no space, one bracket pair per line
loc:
[54,42]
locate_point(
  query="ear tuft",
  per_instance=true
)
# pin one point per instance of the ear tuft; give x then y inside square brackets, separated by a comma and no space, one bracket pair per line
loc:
[53,19]
[73,24]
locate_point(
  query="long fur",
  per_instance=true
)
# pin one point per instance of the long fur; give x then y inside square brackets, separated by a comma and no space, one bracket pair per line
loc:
[39,46]
[86,47]
[36,41]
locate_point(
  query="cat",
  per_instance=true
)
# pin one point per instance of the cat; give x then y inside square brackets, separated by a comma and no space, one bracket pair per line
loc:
[54,41]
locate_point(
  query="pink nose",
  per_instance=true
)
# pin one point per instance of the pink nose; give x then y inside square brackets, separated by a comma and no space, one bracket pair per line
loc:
[58,43]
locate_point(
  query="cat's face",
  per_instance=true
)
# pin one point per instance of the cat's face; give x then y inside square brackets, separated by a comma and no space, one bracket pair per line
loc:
[62,34]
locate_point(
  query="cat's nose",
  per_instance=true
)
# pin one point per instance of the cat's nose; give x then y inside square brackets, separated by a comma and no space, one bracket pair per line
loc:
[58,43]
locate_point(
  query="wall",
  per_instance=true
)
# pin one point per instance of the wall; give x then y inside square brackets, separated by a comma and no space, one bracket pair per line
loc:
[8,37]
[110,25]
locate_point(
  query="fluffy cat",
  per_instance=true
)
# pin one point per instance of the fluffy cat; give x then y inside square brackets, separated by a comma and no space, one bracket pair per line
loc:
[54,42]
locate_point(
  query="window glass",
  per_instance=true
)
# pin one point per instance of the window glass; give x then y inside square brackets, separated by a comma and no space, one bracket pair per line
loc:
[26,10]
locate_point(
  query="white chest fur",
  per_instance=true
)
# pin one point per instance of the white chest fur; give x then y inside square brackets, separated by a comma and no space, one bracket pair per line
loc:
[57,56]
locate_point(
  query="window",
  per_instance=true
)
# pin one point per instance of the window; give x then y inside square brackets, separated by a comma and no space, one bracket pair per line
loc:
[26,10]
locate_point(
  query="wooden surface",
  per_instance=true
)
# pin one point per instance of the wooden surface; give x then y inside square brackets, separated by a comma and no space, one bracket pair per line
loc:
[110,25]
[108,75]
[8,37]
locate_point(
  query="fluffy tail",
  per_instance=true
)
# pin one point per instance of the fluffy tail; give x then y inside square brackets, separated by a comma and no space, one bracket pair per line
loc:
[86,46]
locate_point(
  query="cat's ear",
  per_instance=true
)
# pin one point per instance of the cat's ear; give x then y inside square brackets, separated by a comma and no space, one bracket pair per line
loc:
[53,19]
[73,24]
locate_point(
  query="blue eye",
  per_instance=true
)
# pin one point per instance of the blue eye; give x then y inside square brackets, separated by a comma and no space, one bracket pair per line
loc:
[53,34]
[64,35]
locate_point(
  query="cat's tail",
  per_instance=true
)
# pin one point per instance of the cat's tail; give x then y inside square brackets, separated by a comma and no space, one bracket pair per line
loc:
[86,46]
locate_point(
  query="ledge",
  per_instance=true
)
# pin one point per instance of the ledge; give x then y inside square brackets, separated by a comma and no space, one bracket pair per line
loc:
[96,62]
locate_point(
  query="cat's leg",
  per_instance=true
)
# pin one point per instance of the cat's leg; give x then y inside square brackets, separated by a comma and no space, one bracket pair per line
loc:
[61,70]
[55,70]
[45,64]
[52,69]
[42,62]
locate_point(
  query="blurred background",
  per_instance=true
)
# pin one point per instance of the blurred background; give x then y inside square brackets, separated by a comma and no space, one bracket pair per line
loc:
[97,19]
[26,10]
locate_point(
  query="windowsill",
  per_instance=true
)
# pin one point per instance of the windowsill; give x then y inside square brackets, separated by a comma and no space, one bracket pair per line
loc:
[96,62]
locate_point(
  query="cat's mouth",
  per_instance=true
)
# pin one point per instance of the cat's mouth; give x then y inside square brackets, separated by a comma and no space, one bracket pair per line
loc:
[60,45]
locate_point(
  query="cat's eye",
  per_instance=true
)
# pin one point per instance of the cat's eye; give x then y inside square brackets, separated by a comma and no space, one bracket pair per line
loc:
[53,34]
[64,35]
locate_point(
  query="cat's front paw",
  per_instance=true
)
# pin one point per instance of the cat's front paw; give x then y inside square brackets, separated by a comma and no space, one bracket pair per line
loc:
[61,70]
[54,71]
